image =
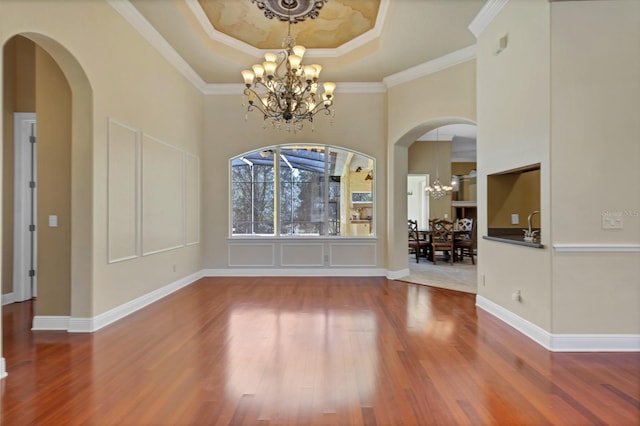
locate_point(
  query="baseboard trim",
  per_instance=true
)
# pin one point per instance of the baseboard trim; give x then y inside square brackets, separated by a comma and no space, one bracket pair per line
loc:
[8,298]
[394,275]
[562,342]
[3,369]
[89,325]
[50,323]
[296,272]
[595,342]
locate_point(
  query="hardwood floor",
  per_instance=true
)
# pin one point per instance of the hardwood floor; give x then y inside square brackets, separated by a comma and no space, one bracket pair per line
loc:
[297,351]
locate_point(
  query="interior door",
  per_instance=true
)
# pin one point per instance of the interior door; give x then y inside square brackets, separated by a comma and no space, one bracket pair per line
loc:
[417,200]
[25,207]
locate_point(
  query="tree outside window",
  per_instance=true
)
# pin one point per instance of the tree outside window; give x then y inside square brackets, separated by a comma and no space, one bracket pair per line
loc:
[297,190]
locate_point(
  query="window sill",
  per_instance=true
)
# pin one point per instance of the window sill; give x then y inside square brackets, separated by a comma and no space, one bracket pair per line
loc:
[306,238]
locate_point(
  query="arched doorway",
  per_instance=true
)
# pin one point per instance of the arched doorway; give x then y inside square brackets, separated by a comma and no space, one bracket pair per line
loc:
[62,100]
[398,171]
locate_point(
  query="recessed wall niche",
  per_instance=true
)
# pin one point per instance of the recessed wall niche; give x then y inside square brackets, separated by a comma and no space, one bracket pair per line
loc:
[512,196]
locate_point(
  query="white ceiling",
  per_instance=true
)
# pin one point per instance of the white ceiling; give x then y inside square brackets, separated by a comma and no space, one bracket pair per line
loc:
[447,133]
[463,140]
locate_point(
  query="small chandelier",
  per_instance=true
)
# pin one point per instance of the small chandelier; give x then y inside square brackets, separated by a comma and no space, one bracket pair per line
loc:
[436,189]
[283,89]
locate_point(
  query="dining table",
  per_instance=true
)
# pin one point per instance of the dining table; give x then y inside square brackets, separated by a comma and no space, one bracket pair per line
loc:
[426,234]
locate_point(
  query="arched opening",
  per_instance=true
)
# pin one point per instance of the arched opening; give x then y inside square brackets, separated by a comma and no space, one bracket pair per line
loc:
[41,77]
[398,190]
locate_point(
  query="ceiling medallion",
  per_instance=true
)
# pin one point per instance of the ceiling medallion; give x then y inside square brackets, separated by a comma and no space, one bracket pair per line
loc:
[293,11]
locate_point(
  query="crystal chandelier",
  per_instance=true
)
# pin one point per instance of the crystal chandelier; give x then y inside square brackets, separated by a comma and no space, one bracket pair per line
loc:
[284,90]
[436,189]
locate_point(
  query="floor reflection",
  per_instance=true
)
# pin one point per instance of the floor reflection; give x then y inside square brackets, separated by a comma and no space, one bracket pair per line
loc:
[420,317]
[284,354]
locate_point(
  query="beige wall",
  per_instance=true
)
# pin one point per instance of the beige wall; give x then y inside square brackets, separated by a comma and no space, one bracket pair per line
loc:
[359,125]
[463,168]
[513,193]
[422,161]
[595,104]
[19,96]
[577,65]
[513,131]
[124,79]
[449,93]
[444,97]
[53,112]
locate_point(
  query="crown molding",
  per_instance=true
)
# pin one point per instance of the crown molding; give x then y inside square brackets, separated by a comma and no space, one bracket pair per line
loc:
[361,40]
[489,11]
[454,58]
[216,35]
[237,88]
[140,24]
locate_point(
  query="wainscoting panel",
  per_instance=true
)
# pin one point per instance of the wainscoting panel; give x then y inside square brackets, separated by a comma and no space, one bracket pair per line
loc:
[352,254]
[315,254]
[122,192]
[259,255]
[162,196]
[302,254]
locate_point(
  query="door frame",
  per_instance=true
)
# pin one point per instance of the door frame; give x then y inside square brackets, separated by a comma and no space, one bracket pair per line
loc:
[423,219]
[24,255]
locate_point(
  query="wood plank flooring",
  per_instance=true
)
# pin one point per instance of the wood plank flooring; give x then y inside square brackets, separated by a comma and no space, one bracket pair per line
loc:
[307,351]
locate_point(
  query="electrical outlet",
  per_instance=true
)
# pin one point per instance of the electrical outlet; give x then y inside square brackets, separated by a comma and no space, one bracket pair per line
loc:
[516,295]
[482,280]
[515,219]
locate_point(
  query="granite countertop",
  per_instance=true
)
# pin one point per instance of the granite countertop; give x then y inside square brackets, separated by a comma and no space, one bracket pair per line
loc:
[511,236]
[513,239]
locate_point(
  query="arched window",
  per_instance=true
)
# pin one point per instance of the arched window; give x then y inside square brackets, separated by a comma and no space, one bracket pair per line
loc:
[302,190]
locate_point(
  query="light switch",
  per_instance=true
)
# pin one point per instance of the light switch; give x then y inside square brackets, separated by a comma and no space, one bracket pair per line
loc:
[515,218]
[612,222]
[53,221]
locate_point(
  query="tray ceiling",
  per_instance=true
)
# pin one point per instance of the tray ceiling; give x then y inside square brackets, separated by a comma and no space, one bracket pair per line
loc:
[354,40]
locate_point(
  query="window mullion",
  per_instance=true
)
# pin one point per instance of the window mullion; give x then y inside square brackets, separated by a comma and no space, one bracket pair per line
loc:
[325,229]
[276,192]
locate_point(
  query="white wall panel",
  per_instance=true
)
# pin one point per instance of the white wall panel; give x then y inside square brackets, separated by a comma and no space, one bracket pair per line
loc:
[162,196]
[352,254]
[123,217]
[192,199]
[262,255]
[302,254]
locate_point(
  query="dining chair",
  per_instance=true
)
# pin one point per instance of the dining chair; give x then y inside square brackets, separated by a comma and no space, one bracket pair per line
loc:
[442,239]
[416,244]
[465,242]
